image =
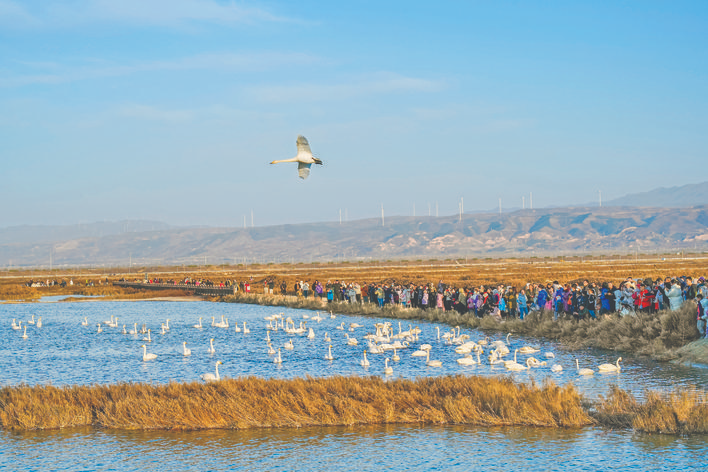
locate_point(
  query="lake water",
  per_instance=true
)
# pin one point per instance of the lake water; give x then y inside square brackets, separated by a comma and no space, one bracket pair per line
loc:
[64,352]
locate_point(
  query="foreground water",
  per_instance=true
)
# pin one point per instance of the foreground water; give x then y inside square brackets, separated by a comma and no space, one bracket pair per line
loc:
[64,352]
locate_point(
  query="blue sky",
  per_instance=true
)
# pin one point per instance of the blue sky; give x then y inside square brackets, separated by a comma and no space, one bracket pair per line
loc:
[172,109]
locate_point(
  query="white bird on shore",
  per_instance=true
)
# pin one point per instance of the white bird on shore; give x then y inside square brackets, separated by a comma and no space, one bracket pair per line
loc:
[209,377]
[304,158]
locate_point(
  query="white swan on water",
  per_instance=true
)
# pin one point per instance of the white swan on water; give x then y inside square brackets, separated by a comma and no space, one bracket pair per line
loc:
[271,351]
[430,363]
[209,377]
[134,330]
[85,322]
[583,371]
[304,157]
[468,360]
[39,322]
[289,345]
[610,367]
[148,338]
[278,360]
[237,328]
[31,321]
[185,350]
[329,356]
[15,325]
[24,336]
[395,357]
[198,325]
[148,356]
[365,362]
[245,330]
[387,370]
[556,368]
[211,349]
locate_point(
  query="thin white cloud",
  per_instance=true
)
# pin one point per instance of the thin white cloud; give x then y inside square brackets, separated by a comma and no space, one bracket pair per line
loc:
[370,85]
[53,73]
[168,13]
[151,113]
[14,15]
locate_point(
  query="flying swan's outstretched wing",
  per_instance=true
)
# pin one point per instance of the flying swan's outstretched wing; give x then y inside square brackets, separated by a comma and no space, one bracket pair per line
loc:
[303,169]
[303,147]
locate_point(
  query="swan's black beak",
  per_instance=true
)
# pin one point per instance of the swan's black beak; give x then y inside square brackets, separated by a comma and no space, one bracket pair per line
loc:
[317,161]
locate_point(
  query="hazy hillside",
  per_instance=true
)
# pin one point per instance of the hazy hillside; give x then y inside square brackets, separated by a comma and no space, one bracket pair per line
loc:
[46,233]
[678,197]
[524,232]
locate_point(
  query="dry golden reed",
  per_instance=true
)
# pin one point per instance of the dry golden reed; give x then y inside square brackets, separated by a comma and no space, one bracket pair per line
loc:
[264,403]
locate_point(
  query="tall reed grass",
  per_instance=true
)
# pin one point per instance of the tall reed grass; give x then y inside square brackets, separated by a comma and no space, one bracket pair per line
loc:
[263,403]
[678,412]
[270,403]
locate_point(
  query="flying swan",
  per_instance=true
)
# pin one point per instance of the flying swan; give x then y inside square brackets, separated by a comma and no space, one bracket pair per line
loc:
[304,158]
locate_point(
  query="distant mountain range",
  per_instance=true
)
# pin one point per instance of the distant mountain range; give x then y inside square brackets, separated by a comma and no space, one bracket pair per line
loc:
[663,219]
[521,233]
[673,197]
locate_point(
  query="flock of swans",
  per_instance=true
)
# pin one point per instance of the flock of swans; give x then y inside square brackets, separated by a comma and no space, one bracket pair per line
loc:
[381,338]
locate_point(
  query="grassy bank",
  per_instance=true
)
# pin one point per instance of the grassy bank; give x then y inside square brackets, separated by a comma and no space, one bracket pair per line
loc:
[259,403]
[658,335]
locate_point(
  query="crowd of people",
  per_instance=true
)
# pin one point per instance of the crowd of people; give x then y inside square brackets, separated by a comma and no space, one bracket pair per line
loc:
[570,300]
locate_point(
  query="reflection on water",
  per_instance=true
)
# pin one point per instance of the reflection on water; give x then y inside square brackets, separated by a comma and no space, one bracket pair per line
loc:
[378,447]
[65,352]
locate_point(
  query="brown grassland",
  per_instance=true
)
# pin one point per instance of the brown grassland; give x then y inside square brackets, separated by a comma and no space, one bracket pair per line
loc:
[270,403]
[457,272]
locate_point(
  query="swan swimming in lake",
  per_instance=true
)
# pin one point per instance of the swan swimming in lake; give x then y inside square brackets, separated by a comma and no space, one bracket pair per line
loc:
[17,326]
[148,339]
[209,377]
[39,322]
[583,371]
[198,325]
[148,356]
[31,321]
[304,158]
[278,360]
[329,356]
[364,362]
[556,368]
[245,330]
[468,360]
[430,363]
[387,370]
[610,367]
[185,350]
[85,322]
[289,345]
[24,336]
[211,349]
